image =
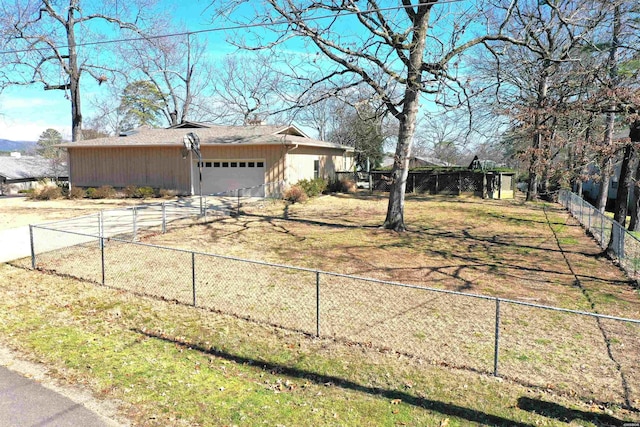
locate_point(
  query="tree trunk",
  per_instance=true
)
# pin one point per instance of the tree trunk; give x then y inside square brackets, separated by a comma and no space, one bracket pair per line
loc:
[625,184]
[543,87]
[611,116]
[395,208]
[74,78]
[634,223]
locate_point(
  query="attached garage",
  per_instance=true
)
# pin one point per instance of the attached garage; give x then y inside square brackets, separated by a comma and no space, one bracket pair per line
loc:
[220,176]
[234,158]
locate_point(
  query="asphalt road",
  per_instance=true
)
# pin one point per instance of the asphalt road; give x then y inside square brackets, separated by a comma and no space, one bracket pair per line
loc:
[25,402]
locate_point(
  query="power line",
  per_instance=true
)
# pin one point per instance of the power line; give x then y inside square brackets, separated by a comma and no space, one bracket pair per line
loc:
[230,28]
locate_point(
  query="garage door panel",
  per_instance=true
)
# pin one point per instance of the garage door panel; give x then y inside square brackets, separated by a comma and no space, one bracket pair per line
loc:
[220,176]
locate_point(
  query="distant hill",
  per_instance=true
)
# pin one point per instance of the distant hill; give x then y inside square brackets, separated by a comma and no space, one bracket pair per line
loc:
[7,145]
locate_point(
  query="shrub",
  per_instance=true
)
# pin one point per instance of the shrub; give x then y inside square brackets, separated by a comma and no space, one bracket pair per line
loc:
[91,193]
[26,191]
[76,193]
[46,193]
[295,194]
[313,187]
[343,185]
[145,192]
[130,191]
[166,193]
[105,192]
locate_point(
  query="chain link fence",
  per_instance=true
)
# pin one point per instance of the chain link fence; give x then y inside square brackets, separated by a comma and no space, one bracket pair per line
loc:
[569,351]
[609,234]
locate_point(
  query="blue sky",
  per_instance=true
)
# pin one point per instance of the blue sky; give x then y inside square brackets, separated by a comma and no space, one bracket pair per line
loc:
[26,111]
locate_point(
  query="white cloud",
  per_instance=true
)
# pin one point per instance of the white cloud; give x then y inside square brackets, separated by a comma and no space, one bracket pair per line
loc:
[26,112]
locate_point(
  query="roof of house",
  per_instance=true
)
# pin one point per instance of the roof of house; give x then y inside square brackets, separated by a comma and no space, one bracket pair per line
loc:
[210,135]
[428,161]
[27,167]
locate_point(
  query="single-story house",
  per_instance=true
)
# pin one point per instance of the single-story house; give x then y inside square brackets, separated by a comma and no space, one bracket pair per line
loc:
[19,172]
[233,157]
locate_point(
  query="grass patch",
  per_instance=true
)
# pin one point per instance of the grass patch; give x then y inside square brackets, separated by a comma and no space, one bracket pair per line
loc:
[174,365]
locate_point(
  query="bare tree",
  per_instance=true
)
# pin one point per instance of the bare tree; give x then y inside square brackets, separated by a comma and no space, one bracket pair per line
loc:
[249,87]
[539,80]
[401,53]
[175,66]
[42,37]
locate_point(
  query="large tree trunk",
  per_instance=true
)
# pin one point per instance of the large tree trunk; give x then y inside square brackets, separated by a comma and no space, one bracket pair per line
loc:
[74,78]
[634,223]
[607,171]
[543,85]
[625,184]
[395,208]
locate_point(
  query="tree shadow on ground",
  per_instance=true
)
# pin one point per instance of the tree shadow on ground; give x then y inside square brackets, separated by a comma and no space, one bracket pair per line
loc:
[444,408]
[567,415]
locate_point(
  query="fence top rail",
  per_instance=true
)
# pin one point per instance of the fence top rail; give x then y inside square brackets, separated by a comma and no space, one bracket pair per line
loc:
[366,279]
[573,195]
[67,220]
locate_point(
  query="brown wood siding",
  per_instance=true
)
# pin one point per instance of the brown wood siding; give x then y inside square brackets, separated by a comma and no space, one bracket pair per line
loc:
[300,162]
[157,167]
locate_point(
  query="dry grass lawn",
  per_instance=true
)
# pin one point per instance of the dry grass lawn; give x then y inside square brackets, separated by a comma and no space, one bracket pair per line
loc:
[532,253]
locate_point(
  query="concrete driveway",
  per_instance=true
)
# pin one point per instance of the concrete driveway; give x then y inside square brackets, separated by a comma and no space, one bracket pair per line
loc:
[14,244]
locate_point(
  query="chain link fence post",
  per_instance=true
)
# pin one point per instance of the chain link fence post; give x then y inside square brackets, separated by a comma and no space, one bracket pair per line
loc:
[496,347]
[164,217]
[317,304]
[135,224]
[33,249]
[193,276]
[102,258]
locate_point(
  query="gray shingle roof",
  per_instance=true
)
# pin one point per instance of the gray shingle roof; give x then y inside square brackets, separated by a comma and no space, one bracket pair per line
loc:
[213,135]
[28,167]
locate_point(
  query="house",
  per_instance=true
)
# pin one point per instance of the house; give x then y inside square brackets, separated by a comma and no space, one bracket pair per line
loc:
[19,172]
[233,157]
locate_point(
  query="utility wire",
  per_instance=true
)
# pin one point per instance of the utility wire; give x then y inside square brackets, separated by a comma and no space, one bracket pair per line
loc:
[230,28]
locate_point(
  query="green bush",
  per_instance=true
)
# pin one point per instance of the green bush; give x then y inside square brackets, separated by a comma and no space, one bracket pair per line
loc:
[313,187]
[145,193]
[26,191]
[295,194]
[131,191]
[76,193]
[92,193]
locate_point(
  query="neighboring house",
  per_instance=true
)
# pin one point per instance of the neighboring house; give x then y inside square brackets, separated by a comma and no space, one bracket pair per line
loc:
[415,162]
[591,187]
[233,157]
[19,172]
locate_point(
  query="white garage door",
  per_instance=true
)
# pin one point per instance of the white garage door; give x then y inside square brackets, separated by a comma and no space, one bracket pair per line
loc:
[219,176]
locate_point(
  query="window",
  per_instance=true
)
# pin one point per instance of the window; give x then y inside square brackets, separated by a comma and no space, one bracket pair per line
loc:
[225,164]
[260,164]
[234,164]
[216,164]
[252,164]
[207,164]
[316,168]
[243,164]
